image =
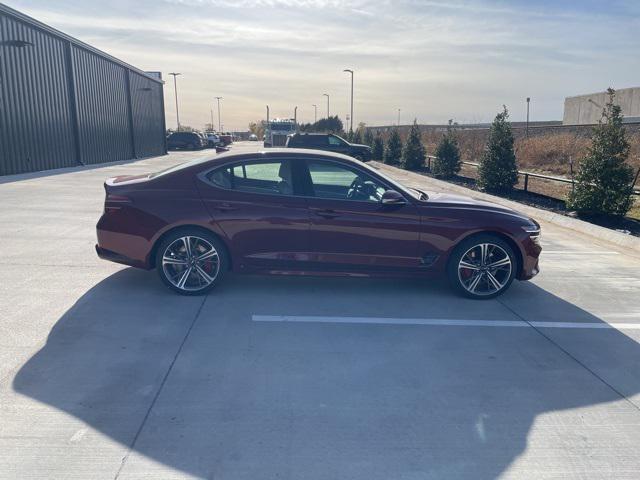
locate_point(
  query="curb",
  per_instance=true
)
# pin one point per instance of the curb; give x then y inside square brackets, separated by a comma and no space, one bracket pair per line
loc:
[601,233]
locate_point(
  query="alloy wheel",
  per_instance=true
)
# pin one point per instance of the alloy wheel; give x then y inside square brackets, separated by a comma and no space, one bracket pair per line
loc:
[484,269]
[191,263]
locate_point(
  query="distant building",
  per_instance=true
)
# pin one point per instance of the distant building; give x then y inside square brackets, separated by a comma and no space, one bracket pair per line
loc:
[587,109]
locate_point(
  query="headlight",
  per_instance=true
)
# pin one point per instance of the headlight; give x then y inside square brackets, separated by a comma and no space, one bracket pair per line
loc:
[534,232]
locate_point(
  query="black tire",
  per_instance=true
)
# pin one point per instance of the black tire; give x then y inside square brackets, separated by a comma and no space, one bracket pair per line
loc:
[172,261]
[462,278]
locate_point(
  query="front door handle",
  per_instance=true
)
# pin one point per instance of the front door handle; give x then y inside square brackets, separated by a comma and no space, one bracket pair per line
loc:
[327,213]
[224,207]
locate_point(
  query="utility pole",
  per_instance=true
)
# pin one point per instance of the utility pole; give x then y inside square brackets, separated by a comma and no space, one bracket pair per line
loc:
[327,95]
[398,117]
[527,128]
[315,113]
[219,122]
[175,88]
[295,116]
[212,125]
[351,72]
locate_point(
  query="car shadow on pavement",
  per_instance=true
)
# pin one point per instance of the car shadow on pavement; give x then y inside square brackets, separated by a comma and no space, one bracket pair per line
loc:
[195,384]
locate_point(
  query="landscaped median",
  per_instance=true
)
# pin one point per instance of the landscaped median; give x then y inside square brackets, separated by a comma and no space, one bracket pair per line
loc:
[413,179]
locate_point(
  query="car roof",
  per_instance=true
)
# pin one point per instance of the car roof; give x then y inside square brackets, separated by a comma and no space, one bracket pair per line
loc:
[225,157]
[284,152]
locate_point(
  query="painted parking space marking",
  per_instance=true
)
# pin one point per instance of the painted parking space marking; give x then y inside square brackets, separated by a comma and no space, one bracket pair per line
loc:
[444,322]
[579,252]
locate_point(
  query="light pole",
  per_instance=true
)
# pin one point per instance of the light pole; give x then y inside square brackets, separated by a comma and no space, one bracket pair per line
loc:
[219,123]
[315,113]
[398,117]
[526,131]
[351,72]
[175,87]
[212,125]
[295,116]
[327,95]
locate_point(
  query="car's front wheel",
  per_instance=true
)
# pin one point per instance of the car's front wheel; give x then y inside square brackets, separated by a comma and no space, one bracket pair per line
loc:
[482,266]
[191,261]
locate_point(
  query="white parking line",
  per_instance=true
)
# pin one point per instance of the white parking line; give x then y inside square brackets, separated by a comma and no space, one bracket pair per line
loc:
[579,252]
[443,322]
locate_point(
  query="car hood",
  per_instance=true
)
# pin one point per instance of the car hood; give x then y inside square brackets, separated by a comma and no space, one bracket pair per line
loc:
[462,201]
[359,145]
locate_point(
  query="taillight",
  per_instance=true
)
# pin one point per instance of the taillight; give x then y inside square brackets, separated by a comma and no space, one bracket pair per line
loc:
[115,202]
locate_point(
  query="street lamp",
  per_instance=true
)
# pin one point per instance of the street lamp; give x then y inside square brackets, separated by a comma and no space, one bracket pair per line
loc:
[175,88]
[398,117]
[315,113]
[351,72]
[219,122]
[327,95]
[526,132]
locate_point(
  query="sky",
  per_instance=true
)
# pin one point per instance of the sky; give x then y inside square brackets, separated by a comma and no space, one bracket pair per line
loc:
[433,60]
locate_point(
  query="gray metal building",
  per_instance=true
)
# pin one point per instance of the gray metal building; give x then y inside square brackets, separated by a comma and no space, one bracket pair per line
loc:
[64,103]
[587,109]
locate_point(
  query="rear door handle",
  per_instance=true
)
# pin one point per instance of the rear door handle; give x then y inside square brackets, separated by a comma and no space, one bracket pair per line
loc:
[327,213]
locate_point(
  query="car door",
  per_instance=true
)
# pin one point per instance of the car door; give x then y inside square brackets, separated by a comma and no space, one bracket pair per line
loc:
[257,204]
[350,228]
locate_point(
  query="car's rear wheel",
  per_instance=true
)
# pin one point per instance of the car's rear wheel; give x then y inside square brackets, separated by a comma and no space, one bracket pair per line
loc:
[482,266]
[191,261]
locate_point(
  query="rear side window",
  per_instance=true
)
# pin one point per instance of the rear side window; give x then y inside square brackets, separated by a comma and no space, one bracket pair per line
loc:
[318,140]
[274,178]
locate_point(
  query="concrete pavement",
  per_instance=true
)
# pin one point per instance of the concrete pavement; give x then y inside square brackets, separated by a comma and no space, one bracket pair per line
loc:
[106,374]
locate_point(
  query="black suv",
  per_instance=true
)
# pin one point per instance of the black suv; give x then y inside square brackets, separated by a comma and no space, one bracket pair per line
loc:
[330,142]
[186,140]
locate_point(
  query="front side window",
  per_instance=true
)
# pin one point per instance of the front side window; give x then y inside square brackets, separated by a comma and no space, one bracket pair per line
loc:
[333,181]
[335,141]
[271,178]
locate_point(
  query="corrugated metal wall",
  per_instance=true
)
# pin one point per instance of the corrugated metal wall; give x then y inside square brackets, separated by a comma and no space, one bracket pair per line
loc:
[148,114]
[62,103]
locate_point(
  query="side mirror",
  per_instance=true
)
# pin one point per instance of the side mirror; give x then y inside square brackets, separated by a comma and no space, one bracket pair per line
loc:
[391,197]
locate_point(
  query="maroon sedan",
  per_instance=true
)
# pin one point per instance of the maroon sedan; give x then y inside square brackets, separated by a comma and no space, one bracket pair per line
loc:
[304,212]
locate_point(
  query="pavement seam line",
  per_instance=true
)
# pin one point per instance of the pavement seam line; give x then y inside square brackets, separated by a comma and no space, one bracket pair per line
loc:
[568,354]
[157,395]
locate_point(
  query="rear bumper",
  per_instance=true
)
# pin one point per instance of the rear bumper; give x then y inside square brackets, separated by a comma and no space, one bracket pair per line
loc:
[105,254]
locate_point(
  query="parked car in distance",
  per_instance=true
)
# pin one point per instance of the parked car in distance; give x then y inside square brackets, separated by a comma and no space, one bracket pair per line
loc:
[226,139]
[253,137]
[329,142]
[186,141]
[301,212]
[213,140]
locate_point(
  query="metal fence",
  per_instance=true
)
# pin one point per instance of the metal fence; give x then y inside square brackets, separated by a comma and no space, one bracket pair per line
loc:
[64,103]
[527,175]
